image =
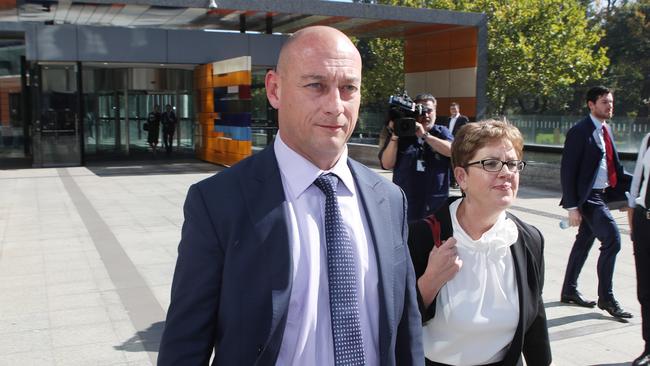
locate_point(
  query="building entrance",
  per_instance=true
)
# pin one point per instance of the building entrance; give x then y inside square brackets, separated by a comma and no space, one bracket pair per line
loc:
[113,123]
[117,103]
[56,121]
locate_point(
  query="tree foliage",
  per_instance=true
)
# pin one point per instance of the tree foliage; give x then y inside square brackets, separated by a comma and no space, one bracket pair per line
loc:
[628,42]
[383,70]
[537,50]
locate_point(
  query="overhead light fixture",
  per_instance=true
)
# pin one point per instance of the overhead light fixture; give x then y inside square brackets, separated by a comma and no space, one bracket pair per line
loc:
[213,4]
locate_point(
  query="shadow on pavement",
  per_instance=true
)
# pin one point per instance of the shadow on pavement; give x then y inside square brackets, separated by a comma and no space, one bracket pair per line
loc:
[152,167]
[147,340]
[581,317]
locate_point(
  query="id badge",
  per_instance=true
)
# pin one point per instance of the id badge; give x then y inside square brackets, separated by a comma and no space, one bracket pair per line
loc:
[419,166]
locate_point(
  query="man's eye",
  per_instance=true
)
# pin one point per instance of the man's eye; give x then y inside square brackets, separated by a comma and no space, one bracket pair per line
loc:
[314,86]
[351,88]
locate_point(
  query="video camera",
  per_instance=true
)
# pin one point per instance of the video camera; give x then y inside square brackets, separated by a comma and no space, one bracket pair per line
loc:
[404,112]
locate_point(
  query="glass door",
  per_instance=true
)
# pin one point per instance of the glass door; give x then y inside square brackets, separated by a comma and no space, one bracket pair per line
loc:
[115,111]
[138,110]
[59,143]
[108,138]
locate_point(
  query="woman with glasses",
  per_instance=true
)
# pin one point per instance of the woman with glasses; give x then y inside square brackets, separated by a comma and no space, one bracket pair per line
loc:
[480,269]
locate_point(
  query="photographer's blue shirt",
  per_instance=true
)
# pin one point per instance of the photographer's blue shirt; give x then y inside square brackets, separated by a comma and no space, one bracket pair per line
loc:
[425,190]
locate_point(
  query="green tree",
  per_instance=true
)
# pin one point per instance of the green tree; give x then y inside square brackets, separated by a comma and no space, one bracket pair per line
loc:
[537,50]
[628,42]
[383,70]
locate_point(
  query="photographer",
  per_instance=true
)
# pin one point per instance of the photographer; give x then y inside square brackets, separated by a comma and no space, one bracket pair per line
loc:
[420,161]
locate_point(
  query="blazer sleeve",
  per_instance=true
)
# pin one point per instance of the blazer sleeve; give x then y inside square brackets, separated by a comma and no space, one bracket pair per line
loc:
[537,346]
[408,349]
[572,156]
[190,328]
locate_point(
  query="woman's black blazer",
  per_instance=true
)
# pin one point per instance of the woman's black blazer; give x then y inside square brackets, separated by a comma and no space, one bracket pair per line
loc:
[531,337]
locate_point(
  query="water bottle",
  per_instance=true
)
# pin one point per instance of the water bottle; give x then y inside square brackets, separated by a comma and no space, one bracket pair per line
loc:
[564,223]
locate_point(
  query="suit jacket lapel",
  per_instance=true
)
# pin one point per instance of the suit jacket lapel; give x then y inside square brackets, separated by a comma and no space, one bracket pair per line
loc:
[596,136]
[377,211]
[265,202]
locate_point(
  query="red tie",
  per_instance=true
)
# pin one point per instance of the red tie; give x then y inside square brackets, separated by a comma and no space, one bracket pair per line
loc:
[609,153]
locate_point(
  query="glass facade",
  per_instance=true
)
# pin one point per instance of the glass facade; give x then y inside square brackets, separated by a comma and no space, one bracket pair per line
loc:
[57,130]
[117,102]
[265,119]
[13,141]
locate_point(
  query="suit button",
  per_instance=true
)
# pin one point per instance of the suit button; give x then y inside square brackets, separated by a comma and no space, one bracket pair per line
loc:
[260,348]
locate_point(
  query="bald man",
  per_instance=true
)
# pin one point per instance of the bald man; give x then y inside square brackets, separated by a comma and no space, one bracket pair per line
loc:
[297,255]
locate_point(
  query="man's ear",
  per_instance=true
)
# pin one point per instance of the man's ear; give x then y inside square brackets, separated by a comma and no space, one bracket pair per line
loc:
[272,83]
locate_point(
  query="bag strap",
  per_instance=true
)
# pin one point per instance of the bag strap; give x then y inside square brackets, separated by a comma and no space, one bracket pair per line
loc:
[434,225]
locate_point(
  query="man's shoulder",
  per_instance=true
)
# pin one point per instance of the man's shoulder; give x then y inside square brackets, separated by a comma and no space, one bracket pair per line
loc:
[370,177]
[231,176]
[583,125]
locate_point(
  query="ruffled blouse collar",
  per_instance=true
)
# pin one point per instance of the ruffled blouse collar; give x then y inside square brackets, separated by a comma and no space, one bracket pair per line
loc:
[494,242]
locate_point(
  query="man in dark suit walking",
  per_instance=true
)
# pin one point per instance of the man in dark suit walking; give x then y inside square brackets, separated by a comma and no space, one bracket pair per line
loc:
[456,120]
[454,123]
[297,255]
[591,175]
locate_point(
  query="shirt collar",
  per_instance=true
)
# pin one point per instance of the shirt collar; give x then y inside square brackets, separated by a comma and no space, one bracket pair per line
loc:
[299,173]
[598,123]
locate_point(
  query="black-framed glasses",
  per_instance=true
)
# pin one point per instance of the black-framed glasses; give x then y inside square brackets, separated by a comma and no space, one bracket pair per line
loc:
[495,165]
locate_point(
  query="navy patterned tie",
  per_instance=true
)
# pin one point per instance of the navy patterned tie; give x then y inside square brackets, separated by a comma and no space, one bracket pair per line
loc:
[344,305]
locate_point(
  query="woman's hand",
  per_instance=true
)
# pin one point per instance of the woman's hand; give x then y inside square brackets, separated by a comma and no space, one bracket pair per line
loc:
[444,262]
[442,266]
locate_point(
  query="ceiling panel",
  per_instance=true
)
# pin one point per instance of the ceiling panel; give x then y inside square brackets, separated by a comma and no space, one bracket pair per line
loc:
[110,14]
[284,17]
[98,14]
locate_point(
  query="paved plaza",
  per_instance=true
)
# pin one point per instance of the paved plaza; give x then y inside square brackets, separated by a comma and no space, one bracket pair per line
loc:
[87,256]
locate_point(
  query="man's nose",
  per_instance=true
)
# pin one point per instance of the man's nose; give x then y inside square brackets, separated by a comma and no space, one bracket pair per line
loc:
[333,103]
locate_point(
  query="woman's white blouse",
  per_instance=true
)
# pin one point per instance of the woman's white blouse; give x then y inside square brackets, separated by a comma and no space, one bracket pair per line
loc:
[477,311]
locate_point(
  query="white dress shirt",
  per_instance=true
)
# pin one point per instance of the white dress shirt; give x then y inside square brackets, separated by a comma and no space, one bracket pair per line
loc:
[641,169]
[452,122]
[477,311]
[307,337]
[602,179]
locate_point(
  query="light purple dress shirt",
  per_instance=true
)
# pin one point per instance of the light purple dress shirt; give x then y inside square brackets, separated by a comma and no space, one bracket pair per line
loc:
[307,337]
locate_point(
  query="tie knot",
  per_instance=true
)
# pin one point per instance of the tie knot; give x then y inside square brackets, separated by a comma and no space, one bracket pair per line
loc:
[327,183]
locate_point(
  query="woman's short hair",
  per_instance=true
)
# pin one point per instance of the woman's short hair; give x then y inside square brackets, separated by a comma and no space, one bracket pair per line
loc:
[474,136]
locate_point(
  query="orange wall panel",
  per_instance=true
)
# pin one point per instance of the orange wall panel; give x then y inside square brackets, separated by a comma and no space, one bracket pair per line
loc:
[428,43]
[439,60]
[449,49]
[463,58]
[233,78]
[212,146]
[464,38]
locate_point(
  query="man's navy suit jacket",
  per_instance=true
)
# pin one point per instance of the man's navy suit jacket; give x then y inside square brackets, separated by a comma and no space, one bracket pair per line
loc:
[232,281]
[580,161]
[460,122]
